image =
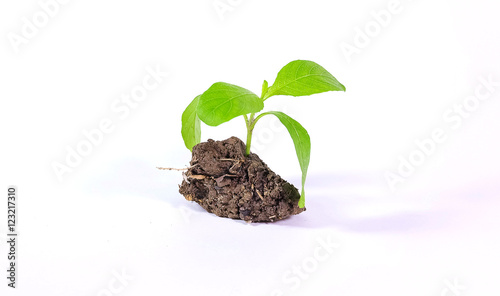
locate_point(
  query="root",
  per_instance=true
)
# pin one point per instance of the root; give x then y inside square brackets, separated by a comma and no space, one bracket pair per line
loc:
[175,169]
[172,169]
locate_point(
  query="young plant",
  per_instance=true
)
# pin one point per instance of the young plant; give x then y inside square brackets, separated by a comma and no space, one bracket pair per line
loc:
[223,102]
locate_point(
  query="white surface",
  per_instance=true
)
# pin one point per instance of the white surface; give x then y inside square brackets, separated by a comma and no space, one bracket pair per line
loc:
[115,212]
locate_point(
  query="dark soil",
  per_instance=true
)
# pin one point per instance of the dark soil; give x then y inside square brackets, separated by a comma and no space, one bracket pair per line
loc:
[229,184]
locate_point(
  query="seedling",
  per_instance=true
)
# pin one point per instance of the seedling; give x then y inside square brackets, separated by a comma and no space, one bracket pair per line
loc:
[223,102]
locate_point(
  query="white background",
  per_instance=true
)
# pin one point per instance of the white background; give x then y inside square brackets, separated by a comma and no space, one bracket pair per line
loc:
[437,233]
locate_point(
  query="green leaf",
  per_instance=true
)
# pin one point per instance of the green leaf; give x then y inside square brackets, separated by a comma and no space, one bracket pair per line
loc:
[223,102]
[303,78]
[191,131]
[302,144]
[265,87]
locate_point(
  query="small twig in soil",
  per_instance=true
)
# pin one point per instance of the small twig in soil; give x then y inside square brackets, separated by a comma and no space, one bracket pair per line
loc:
[197,177]
[230,159]
[260,195]
[185,178]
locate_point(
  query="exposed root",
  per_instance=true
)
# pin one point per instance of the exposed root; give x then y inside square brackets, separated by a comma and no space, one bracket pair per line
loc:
[172,169]
[176,169]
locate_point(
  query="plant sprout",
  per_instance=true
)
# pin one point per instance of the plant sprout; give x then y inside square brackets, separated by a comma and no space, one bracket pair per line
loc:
[223,102]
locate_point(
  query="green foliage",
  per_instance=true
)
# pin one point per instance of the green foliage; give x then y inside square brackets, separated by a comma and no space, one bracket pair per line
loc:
[191,130]
[303,78]
[223,102]
[302,144]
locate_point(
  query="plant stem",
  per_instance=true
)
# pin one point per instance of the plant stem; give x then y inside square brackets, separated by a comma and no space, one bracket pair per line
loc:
[246,119]
[249,141]
[254,121]
[250,126]
[250,122]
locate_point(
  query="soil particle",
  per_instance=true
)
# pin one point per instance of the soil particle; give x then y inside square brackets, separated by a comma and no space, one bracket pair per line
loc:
[229,184]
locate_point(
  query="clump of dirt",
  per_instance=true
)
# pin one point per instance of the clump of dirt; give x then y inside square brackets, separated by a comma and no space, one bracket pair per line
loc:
[229,184]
